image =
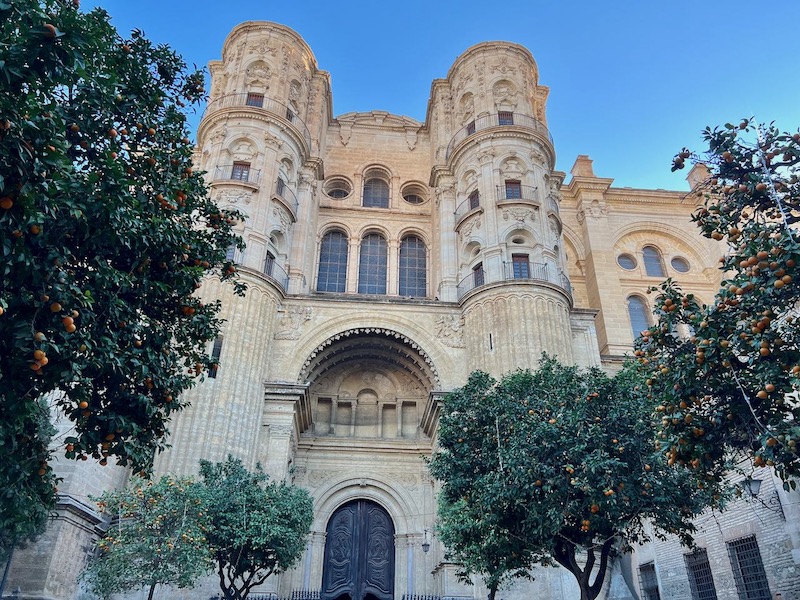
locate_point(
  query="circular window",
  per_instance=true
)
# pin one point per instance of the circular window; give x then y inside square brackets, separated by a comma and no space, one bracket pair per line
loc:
[338,188]
[626,261]
[681,265]
[414,193]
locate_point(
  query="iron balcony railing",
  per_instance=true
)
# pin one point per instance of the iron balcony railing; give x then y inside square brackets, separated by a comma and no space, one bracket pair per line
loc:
[236,172]
[285,193]
[517,271]
[496,120]
[275,272]
[467,206]
[259,102]
[516,193]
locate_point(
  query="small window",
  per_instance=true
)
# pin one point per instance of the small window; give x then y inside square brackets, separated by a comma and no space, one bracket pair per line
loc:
[701,580]
[505,117]
[513,189]
[337,188]
[230,253]
[413,193]
[653,265]
[290,116]
[474,199]
[649,582]
[748,569]
[521,266]
[681,265]
[240,171]
[216,351]
[470,127]
[376,193]
[269,264]
[639,315]
[626,261]
[255,100]
[280,187]
[477,275]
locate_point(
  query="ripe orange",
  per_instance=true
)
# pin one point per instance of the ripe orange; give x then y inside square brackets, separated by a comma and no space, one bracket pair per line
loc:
[83,405]
[6,202]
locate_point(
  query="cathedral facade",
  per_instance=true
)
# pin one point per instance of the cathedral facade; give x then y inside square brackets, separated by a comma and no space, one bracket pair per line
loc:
[385,260]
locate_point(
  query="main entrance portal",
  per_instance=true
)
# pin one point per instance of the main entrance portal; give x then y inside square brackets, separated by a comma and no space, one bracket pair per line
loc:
[359,554]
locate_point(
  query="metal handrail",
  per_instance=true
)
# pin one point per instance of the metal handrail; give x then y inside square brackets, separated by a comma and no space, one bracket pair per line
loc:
[523,193]
[526,271]
[225,173]
[267,104]
[467,206]
[283,191]
[486,121]
[275,272]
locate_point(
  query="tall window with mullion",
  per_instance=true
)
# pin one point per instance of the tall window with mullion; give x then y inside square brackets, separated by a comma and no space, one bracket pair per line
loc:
[332,274]
[413,267]
[376,193]
[372,265]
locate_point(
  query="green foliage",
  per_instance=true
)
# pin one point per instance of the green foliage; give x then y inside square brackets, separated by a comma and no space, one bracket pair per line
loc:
[733,384]
[259,528]
[105,234]
[545,463]
[157,536]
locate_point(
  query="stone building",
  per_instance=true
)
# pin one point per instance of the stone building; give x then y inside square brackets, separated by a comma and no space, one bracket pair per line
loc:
[386,259]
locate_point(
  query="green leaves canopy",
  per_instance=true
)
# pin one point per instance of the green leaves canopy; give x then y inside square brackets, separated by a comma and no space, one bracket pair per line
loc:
[544,463]
[157,536]
[259,528]
[732,385]
[105,234]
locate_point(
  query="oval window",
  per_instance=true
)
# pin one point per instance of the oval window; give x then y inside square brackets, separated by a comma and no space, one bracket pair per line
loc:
[626,261]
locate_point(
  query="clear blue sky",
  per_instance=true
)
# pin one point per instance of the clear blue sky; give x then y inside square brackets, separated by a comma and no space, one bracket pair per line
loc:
[630,82]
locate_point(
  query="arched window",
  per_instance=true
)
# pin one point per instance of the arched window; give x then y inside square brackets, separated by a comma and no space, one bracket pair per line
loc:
[639,315]
[372,265]
[653,265]
[332,276]
[376,193]
[413,267]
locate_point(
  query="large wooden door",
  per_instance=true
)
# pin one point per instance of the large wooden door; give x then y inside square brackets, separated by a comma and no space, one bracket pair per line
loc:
[359,554]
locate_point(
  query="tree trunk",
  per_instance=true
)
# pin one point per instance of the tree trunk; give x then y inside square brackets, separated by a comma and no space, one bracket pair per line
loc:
[565,556]
[152,589]
[492,591]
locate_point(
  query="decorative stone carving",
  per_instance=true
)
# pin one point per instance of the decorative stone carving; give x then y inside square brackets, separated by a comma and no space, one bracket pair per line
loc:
[280,429]
[411,138]
[291,322]
[520,214]
[282,218]
[446,186]
[407,480]
[243,150]
[258,74]
[272,142]
[450,330]
[234,197]
[345,130]
[503,67]
[262,48]
[294,91]
[511,168]
[317,477]
[471,225]
[537,156]
[553,226]
[218,134]
[504,95]
[486,155]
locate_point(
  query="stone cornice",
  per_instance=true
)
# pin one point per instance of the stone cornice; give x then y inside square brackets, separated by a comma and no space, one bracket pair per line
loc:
[502,132]
[258,26]
[223,115]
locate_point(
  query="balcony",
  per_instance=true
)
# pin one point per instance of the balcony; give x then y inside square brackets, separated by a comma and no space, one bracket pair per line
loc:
[261,103]
[276,273]
[236,173]
[518,271]
[471,205]
[497,120]
[517,193]
[285,194]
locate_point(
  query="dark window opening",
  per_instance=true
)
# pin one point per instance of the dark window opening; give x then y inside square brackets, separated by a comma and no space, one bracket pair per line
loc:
[513,189]
[474,199]
[521,266]
[649,582]
[748,569]
[240,171]
[413,268]
[269,263]
[376,193]
[653,266]
[505,117]
[332,275]
[701,580]
[255,100]
[470,127]
[477,275]
[216,351]
[372,265]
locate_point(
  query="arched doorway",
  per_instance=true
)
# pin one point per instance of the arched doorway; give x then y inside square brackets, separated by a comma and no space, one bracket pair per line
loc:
[359,553]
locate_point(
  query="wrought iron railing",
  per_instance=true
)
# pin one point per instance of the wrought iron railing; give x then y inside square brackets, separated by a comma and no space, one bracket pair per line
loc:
[467,206]
[258,102]
[518,193]
[275,272]
[486,121]
[517,271]
[235,172]
[285,193]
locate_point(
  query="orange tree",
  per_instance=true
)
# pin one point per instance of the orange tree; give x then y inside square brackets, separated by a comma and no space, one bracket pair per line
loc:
[156,537]
[105,234]
[732,384]
[545,465]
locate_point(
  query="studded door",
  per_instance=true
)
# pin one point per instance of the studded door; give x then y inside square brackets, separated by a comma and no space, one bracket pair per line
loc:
[359,553]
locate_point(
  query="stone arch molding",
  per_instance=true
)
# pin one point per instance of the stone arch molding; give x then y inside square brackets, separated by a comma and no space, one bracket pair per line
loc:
[380,331]
[394,499]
